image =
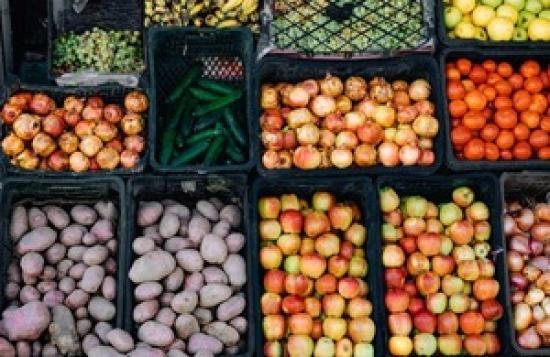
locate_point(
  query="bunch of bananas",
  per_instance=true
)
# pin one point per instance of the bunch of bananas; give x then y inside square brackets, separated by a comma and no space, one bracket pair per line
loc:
[213,13]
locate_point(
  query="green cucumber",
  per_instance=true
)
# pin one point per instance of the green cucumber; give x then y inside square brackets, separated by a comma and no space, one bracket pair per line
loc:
[215,150]
[203,94]
[188,77]
[167,146]
[217,86]
[206,121]
[191,153]
[234,127]
[204,135]
[217,104]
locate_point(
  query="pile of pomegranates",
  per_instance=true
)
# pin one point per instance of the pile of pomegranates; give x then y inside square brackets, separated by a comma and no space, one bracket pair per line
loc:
[81,135]
[438,275]
[336,122]
[527,229]
[314,296]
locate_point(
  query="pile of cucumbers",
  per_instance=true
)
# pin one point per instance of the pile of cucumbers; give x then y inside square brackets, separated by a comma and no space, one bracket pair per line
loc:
[202,125]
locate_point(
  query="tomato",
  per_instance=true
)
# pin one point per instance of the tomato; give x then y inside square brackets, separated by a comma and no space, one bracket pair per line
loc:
[505,69]
[464,65]
[545,123]
[489,92]
[473,120]
[491,152]
[529,68]
[460,135]
[453,73]
[502,102]
[489,65]
[544,153]
[477,74]
[456,122]
[521,131]
[474,149]
[533,84]
[539,103]
[492,78]
[468,84]
[506,118]
[539,138]
[475,100]
[516,80]
[522,150]
[530,118]
[505,139]
[521,99]
[503,87]
[455,90]
[489,132]
[545,78]
[457,108]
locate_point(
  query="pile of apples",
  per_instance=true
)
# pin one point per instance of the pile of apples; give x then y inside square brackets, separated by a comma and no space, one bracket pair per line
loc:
[438,275]
[314,299]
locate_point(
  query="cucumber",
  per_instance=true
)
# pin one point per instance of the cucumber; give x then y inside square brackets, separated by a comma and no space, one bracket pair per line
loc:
[203,94]
[217,104]
[215,150]
[191,153]
[234,127]
[217,86]
[188,77]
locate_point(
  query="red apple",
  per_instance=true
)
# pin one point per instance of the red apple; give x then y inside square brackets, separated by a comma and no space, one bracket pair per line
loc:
[326,284]
[492,342]
[296,284]
[400,324]
[400,345]
[271,303]
[468,270]
[289,243]
[290,201]
[327,244]
[334,327]
[475,345]
[293,304]
[449,345]
[491,310]
[338,266]
[436,303]
[485,289]
[274,327]
[395,277]
[299,345]
[349,287]
[274,281]
[416,304]
[271,257]
[313,265]
[428,283]
[308,246]
[270,229]
[292,221]
[447,323]
[300,324]
[471,322]
[273,349]
[459,303]
[396,300]
[346,249]
[316,223]
[361,329]
[357,234]
[313,306]
[451,284]
[443,265]
[425,321]
[410,288]
[340,216]
[408,244]
[323,201]
[417,263]
[333,305]
[429,244]
[461,232]
[358,307]
[393,256]
[269,207]
[317,329]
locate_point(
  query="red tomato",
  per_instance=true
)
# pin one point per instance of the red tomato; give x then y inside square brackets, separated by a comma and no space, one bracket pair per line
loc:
[505,69]
[460,135]
[505,139]
[489,132]
[506,118]
[474,120]
[529,68]
[491,152]
[522,150]
[464,65]
[521,131]
[478,74]
[474,149]
[539,138]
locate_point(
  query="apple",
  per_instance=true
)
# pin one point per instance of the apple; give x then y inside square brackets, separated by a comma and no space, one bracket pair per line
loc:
[363,350]
[270,229]
[396,300]
[361,329]
[334,327]
[273,349]
[274,281]
[458,303]
[414,226]
[400,324]
[269,207]
[468,270]
[363,287]
[324,347]
[461,232]
[434,226]
[296,284]
[357,267]
[400,345]
[491,310]
[429,244]
[316,223]
[408,244]
[452,285]
[271,303]
[274,327]
[475,345]
[358,307]
[290,202]
[463,196]
[443,265]
[344,348]
[482,231]
[471,322]
[313,265]
[293,304]
[492,342]
[446,246]
[327,244]
[394,218]
[485,289]
[492,3]
[338,266]
[323,201]
[414,206]
[487,268]
[299,345]
[410,288]
[389,233]
[292,264]
[333,305]
[289,243]
[462,253]
[317,330]
[340,216]
[425,344]
[349,287]
[428,283]
[271,257]
[300,324]
[308,246]
[358,252]
[436,303]
[417,263]
[357,234]
[393,256]
[425,322]
[313,306]
[326,284]
[291,221]
[395,277]
[447,323]
[416,304]
[449,345]
[346,249]
[517,4]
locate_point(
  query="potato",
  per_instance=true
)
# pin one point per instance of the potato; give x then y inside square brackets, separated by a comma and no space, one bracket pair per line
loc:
[37,240]
[174,244]
[106,210]
[83,326]
[32,264]
[216,202]
[103,230]
[110,266]
[49,350]
[14,272]
[29,279]
[142,245]
[37,218]
[90,341]
[103,351]
[200,341]
[169,225]
[155,334]
[83,215]
[147,291]
[29,293]
[57,216]
[234,242]
[198,228]
[77,298]
[101,309]
[63,268]
[19,223]
[186,325]
[72,235]
[6,348]
[81,313]
[146,351]
[240,324]
[55,253]
[221,229]
[27,322]
[213,249]
[190,260]
[211,295]
[76,252]
[66,284]
[223,332]
[173,352]
[89,239]
[45,286]
[178,344]
[77,271]
[153,233]
[231,308]
[166,316]
[174,281]
[48,273]
[95,255]
[148,213]
[108,288]
[63,332]
[179,210]
[101,329]
[152,266]
[204,353]
[235,268]
[166,299]
[203,316]
[112,246]
[11,290]
[208,210]
[194,282]
[231,214]
[23,348]
[214,274]
[121,340]
[145,310]
[184,302]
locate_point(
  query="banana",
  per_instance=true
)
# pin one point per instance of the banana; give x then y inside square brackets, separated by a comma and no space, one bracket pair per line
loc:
[211,20]
[228,23]
[196,9]
[248,7]
[230,5]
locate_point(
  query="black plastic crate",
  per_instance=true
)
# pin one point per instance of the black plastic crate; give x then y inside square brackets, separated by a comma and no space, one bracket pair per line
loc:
[225,55]
[63,192]
[110,93]
[281,69]
[478,55]
[439,189]
[526,185]
[361,192]
[231,188]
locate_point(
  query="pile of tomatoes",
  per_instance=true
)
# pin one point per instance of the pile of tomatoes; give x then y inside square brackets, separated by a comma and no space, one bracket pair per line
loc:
[499,112]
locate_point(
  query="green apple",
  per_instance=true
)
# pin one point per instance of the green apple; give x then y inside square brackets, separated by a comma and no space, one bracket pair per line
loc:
[363,350]
[465,6]
[545,3]
[465,30]
[480,34]
[452,16]
[482,14]
[500,29]
[520,34]
[545,14]
[292,264]
[507,11]
[518,4]
[492,3]
[524,18]
[539,30]
[324,347]
[534,6]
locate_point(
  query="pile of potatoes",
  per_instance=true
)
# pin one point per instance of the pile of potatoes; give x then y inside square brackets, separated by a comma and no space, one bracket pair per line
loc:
[61,284]
[189,278]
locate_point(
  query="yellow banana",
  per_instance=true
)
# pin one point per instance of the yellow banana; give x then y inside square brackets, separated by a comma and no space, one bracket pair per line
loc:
[249,6]
[228,23]
[211,20]
[230,5]
[196,9]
